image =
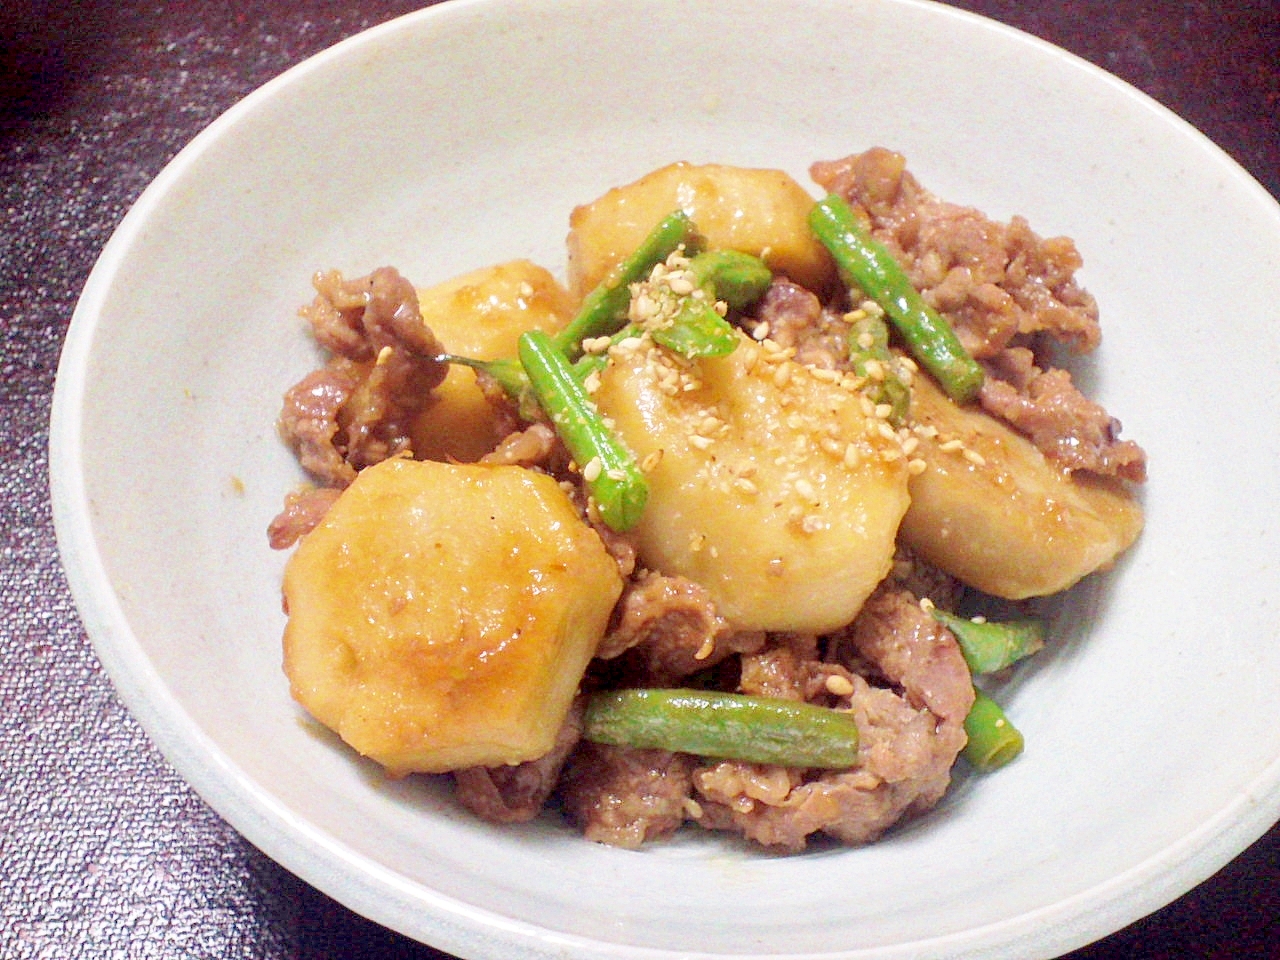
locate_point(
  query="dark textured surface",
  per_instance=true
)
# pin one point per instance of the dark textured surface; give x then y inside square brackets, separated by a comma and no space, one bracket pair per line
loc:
[104,852]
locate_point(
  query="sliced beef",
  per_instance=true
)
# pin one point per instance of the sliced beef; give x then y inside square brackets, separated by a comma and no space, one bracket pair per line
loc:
[910,732]
[358,409]
[667,628]
[794,318]
[992,280]
[302,512]
[1004,289]
[517,793]
[1063,423]
[624,796]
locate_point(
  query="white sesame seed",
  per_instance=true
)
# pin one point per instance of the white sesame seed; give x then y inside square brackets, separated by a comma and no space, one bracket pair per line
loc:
[838,685]
[592,470]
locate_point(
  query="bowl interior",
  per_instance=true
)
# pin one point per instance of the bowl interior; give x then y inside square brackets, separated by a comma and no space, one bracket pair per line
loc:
[463,136]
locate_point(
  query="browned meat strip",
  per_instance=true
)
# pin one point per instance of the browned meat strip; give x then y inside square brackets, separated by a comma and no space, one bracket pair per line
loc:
[994,281]
[790,669]
[913,652]
[795,318]
[532,447]
[359,408]
[666,628]
[624,796]
[905,769]
[1001,286]
[302,511]
[1065,426]
[309,420]
[516,794]
[908,739]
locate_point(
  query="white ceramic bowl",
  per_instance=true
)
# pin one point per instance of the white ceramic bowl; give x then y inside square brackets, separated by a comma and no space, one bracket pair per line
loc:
[463,136]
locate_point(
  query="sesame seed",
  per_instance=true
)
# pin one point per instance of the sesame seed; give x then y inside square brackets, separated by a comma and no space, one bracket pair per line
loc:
[591,472]
[701,442]
[680,284]
[916,466]
[384,356]
[812,523]
[708,647]
[838,685]
[743,485]
[951,446]
[651,461]
[974,457]
[805,489]
[760,330]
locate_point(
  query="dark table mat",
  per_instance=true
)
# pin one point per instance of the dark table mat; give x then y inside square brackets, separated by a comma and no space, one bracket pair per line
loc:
[104,851]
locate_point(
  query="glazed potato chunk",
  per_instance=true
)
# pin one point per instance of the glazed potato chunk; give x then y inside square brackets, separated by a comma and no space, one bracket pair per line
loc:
[993,512]
[441,615]
[481,314]
[761,212]
[772,488]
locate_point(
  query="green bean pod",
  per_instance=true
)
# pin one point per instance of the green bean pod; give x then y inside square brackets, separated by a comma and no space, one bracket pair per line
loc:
[889,387]
[737,278]
[988,646]
[609,470]
[604,309]
[697,331]
[993,739]
[865,261]
[729,726]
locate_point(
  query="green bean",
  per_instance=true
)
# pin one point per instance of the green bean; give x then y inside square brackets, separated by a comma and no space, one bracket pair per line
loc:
[737,278]
[993,739]
[608,468]
[864,261]
[604,309]
[868,343]
[989,646]
[698,330]
[724,725]
[506,372]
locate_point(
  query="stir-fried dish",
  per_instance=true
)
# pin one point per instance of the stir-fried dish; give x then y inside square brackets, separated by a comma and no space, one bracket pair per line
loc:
[727,530]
